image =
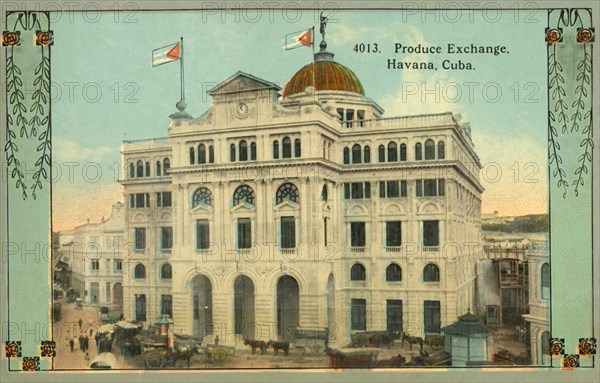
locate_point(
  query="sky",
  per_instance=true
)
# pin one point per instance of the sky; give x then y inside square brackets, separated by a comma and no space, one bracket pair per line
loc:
[105,89]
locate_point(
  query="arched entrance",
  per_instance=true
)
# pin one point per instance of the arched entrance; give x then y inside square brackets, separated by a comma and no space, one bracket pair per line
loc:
[243,306]
[117,294]
[288,307]
[330,291]
[202,306]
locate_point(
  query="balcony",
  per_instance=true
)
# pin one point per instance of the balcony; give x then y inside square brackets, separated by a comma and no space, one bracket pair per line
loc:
[357,249]
[288,251]
[430,249]
[393,249]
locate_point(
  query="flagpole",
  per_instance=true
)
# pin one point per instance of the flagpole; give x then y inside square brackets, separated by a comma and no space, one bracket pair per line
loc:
[313,59]
[181,72]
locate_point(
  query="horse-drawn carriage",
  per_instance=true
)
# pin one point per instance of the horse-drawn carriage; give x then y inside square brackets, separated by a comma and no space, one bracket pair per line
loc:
[364,357]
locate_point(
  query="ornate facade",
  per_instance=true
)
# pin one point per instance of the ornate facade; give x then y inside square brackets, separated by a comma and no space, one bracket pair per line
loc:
[312,210]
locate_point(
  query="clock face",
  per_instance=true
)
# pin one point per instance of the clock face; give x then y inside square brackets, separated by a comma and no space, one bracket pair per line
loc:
[241,110]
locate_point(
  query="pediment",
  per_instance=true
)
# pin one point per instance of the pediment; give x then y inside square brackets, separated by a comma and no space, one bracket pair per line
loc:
[287,205]
[429,208]
[165,216]
[356,210]
[202,209]
[241,82]
[242,207]
[139,217]
[392,209]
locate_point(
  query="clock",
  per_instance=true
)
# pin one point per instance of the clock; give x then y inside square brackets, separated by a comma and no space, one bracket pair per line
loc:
[241,110]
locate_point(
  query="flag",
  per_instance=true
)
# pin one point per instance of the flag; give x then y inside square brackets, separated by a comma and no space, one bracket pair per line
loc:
[166,54]
[299,39]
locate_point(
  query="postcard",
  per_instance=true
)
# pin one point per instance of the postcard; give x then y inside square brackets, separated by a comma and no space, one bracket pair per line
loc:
[335,191]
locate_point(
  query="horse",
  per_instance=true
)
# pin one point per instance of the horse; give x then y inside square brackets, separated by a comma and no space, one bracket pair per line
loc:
[260,344]
[285,346]
[185,350]
[412,340]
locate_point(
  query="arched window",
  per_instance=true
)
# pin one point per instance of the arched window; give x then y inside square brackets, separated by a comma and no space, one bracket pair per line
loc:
[166,166]
[545,281]
[429,150]
[139,272]
[287,191]
[139,171]
[393,273]
[202,196]
[131,170]
[211,154]
[244,194]
[297,148]
[346,156]
[381,153]
[392,152]
[147,165]
[232,152]
[357,272]
[275,149]
[253,151]
[418,152]
[356,154]
[158,168]
[192,156]
[402,152]
[243,156]
[287,148]
[431,273]
[201,154]
[324,193]
[441,150]
[166,272]
[367,155]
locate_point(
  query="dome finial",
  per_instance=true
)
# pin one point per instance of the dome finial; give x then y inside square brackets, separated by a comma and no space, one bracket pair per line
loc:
[323,44]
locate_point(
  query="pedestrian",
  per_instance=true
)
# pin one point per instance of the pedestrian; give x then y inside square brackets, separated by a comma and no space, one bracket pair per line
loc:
[86,342]
[91,331]
[87,356]
[72,344]
[81,342]
[80,323]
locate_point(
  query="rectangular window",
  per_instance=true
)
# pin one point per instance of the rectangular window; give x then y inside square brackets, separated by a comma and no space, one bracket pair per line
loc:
[430,188]
[441,187]
[288,233]
[139,200]
[393,189]
[118,266]
[166,238]
[358,314]
[347,191]
[431,234]
[244,233]
[163,199]
[381,189]
[140,308]
[325,231]
[393,236]
[166,305]
[357,190]
[432,317]
[202,234]
[357,234]
[140,238]
[367,190]
[403,192]
[394,315]
[108,299]
[419,188]
[94,265]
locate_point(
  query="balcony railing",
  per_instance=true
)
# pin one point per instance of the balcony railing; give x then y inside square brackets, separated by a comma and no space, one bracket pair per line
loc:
[288,251]
[357,249]
[393,249]
[430,249]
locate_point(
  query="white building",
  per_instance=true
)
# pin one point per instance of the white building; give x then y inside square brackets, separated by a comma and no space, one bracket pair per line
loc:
[308,209]
[94,252]
[539,301]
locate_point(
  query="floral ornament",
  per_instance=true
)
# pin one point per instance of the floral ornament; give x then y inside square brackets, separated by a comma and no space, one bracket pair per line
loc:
[585,35]
[44,38]
[48,348]
[31,363]
[587,346]
[13,349]
[557,346]
[554,35]
[571,361]
[11,39]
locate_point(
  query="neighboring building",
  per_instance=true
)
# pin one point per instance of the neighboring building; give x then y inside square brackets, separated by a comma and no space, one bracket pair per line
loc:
[311,210]
[94,253]
[538,317]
